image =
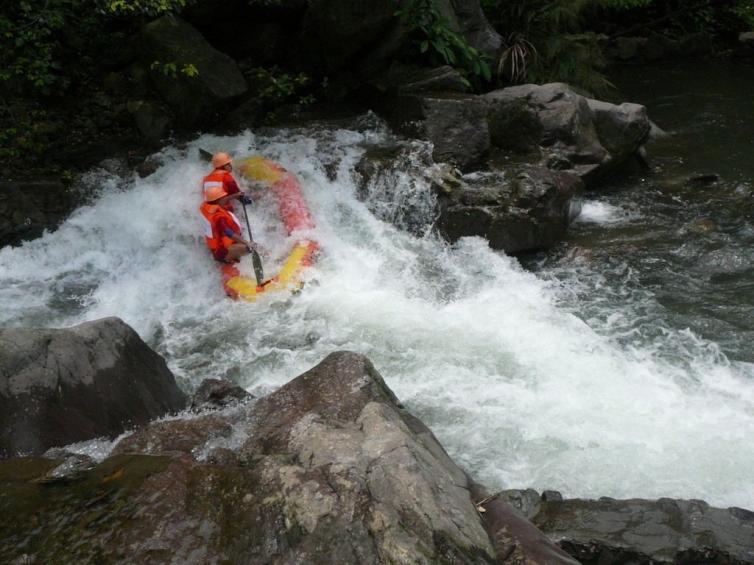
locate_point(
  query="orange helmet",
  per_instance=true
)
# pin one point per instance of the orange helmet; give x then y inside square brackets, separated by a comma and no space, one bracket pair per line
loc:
[213,193]
[220,160]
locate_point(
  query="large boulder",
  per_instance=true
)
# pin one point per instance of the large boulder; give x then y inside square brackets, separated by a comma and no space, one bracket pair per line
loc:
[587,136]
[328,469]
[523,208]
[169,44]
[475,28]
[336,33]
[640,531]
[59,386]
[455,124]
[526,210]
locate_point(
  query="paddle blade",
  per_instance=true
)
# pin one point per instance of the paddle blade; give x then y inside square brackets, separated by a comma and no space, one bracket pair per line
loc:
[257,261]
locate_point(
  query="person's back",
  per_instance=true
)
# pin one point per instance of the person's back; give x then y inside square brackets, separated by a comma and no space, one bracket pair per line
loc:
[222,230]
[221,176]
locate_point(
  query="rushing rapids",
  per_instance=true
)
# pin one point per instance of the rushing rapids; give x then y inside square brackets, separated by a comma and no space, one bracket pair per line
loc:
[525,380]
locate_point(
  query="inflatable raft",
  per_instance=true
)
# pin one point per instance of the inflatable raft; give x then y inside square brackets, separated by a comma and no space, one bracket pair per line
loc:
[295,216]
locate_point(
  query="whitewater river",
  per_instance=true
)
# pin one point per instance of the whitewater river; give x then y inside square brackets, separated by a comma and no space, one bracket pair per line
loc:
[573,373]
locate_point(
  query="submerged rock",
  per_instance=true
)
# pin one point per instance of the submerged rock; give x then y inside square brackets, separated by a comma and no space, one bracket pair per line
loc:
[63,386]
[170,43]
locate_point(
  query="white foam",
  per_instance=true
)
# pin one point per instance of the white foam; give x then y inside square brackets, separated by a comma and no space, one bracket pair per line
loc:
[517,386]
[597,212]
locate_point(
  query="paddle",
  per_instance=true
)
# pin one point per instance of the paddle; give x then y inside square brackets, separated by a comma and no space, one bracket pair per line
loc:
[255,258]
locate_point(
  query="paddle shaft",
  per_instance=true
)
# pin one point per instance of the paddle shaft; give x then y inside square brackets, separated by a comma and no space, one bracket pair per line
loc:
[255,258]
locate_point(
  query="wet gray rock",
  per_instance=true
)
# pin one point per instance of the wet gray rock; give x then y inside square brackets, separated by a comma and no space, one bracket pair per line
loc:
[329,469]
[642,531]
[383,185]
[475,28]
[63,386]
[362,476]
[516,539]
[527,210]
[70,466]
[703,180]
[589,137]
[171,40]
[218,393]
[456,124]
[148,166]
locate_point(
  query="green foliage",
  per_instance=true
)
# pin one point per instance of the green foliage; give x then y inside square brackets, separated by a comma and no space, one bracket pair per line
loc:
[439,43]
[744,12]
[275,86]
[28,46]
[172,69]
[558,40]
[37,36]
[542,43]
[146,7]
[24,133]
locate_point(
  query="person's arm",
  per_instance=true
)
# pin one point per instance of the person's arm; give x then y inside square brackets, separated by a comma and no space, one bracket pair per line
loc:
[238,239]
[224,228]
[231,186]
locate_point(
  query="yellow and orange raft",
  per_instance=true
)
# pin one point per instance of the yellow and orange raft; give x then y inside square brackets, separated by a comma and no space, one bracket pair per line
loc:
[295,216]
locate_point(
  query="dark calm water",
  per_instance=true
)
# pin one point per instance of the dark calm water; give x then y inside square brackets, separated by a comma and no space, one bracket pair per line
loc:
[667,252]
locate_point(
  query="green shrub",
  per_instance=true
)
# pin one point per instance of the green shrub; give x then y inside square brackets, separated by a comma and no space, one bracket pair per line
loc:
[439,44]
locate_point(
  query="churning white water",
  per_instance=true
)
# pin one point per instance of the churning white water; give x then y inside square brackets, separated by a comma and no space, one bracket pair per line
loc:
[525,383]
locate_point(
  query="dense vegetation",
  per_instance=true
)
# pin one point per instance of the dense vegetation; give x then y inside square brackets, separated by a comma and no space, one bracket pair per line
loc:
[561,40]
[56,53]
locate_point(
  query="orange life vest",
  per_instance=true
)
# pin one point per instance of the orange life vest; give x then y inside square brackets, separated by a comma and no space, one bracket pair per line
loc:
[215,178]
[211,213]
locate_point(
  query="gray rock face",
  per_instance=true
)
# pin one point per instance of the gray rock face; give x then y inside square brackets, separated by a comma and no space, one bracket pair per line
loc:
[515,537]
[456,124]
[531,211]
[589,137]
[641,531]
[364,476]
[172,40]
[336,34]
[152,119]
[475,27]
[22,217]
[328,469]
[62,386]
